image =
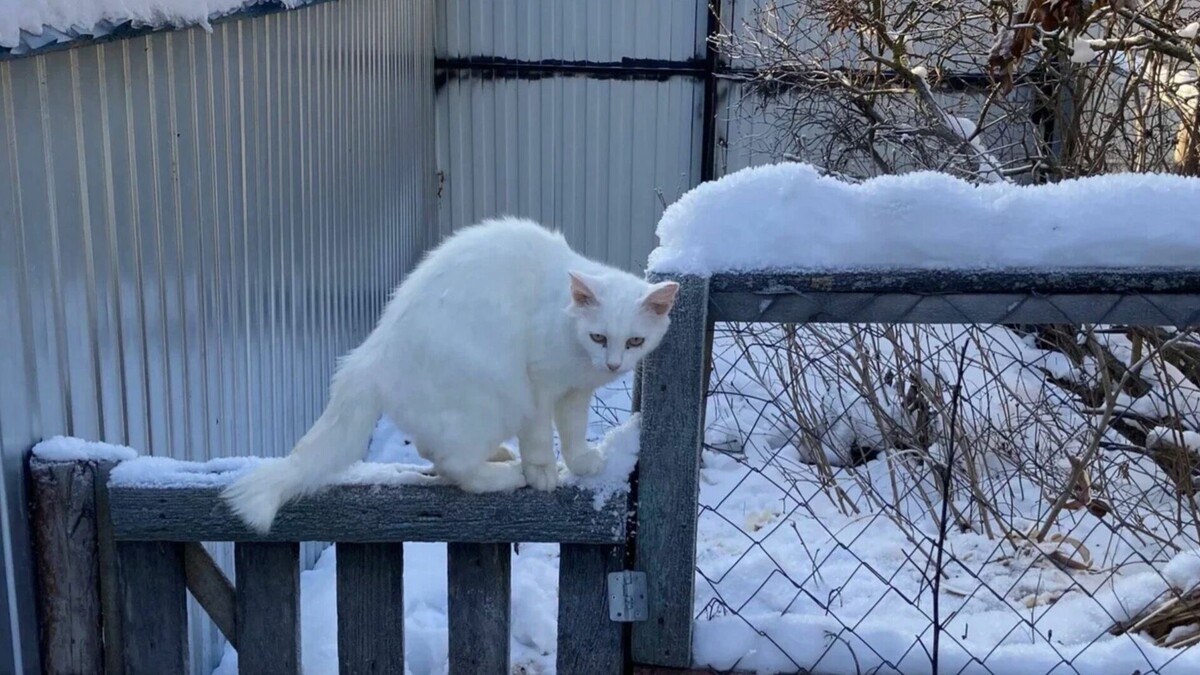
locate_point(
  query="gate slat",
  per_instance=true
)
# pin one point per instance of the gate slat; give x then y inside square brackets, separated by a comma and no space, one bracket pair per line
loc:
[588,641]
[370,608]
[480,589]
[153,597]
[268,607]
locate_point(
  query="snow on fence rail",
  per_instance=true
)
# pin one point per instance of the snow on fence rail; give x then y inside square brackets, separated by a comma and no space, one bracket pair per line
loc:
[126,572]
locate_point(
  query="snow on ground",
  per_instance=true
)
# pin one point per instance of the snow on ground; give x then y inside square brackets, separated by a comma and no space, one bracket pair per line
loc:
[31,24]
[67,449]
[787,216]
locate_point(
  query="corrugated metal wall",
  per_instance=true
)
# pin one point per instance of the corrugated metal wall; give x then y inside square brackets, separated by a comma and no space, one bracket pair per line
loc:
[192,226]
[595,155]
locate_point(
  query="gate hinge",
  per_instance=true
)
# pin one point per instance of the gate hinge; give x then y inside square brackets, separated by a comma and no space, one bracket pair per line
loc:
[627,596]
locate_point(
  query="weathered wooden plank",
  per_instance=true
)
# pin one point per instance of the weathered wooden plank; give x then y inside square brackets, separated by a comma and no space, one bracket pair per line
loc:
[268,607]
[588,641]
[63,519]
[788,306]
[480,586]
[153,598]
[110,576]
[374,513]
[370,608]
[673,388]
[1067,281]
[212,589]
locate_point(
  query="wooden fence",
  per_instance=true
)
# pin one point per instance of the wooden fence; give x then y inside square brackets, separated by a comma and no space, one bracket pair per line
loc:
[674,379]
[121,558]
[118,560]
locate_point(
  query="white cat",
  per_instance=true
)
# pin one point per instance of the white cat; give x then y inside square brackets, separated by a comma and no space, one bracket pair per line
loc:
[501,331]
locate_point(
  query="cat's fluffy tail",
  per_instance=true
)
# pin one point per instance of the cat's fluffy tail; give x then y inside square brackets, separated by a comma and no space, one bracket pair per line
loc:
[337,439]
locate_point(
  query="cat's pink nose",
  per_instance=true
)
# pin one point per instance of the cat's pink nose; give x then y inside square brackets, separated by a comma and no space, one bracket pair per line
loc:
[614,367]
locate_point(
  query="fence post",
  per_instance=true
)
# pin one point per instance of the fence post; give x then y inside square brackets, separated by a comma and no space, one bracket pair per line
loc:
[268,607]
[370,608]
[672,388]
[480,577]
[67,566]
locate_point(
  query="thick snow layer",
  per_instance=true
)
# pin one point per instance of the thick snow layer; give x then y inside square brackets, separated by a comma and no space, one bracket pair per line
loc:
[789,217]
[67,449]
[34,23]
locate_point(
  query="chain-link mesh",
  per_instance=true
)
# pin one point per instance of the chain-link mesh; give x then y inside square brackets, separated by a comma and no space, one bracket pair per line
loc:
[950,499]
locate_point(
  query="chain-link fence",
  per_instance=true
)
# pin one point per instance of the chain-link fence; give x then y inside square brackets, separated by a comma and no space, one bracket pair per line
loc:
[950,499]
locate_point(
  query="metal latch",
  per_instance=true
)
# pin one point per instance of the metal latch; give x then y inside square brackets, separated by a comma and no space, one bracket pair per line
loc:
[627,596]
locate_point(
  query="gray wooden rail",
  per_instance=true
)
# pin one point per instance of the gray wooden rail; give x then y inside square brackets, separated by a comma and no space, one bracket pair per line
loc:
[673,379]
[153,533]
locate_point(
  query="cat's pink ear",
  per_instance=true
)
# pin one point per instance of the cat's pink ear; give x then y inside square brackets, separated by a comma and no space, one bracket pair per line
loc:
[582,294]
[662,298]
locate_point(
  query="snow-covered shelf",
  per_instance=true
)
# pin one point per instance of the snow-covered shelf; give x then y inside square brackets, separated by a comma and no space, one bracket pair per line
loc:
[372,513]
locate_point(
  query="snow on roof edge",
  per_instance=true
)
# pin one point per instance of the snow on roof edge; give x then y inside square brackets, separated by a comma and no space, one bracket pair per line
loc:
[37,26]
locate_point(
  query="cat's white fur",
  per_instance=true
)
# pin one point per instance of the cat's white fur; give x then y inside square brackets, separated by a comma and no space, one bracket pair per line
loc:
[494,335]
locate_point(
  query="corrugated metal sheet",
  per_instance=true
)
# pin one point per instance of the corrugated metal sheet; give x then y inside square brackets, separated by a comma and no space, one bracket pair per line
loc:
[599,159]
[192,226]
[592,30]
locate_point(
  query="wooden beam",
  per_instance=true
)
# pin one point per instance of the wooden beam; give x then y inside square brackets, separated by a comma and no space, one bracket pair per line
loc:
[1138,296]
[212,589]
[268,607]
[480,586]
[672,392]
[370,608]
[1063,281]
[374,513]
[955,308]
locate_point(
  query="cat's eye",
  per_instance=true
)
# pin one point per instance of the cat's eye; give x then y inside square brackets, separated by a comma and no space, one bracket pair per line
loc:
[634,342]
[598,338]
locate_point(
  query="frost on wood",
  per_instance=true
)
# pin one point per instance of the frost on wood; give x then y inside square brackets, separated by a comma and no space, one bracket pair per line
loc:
[30,24]
[789,217]
[67,449]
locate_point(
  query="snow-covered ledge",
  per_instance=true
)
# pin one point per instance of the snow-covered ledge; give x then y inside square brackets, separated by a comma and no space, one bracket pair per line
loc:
[788,217]
[33,25]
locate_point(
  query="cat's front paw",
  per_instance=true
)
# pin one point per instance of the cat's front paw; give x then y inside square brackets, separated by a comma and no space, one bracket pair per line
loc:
[586,463]
[541,476]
